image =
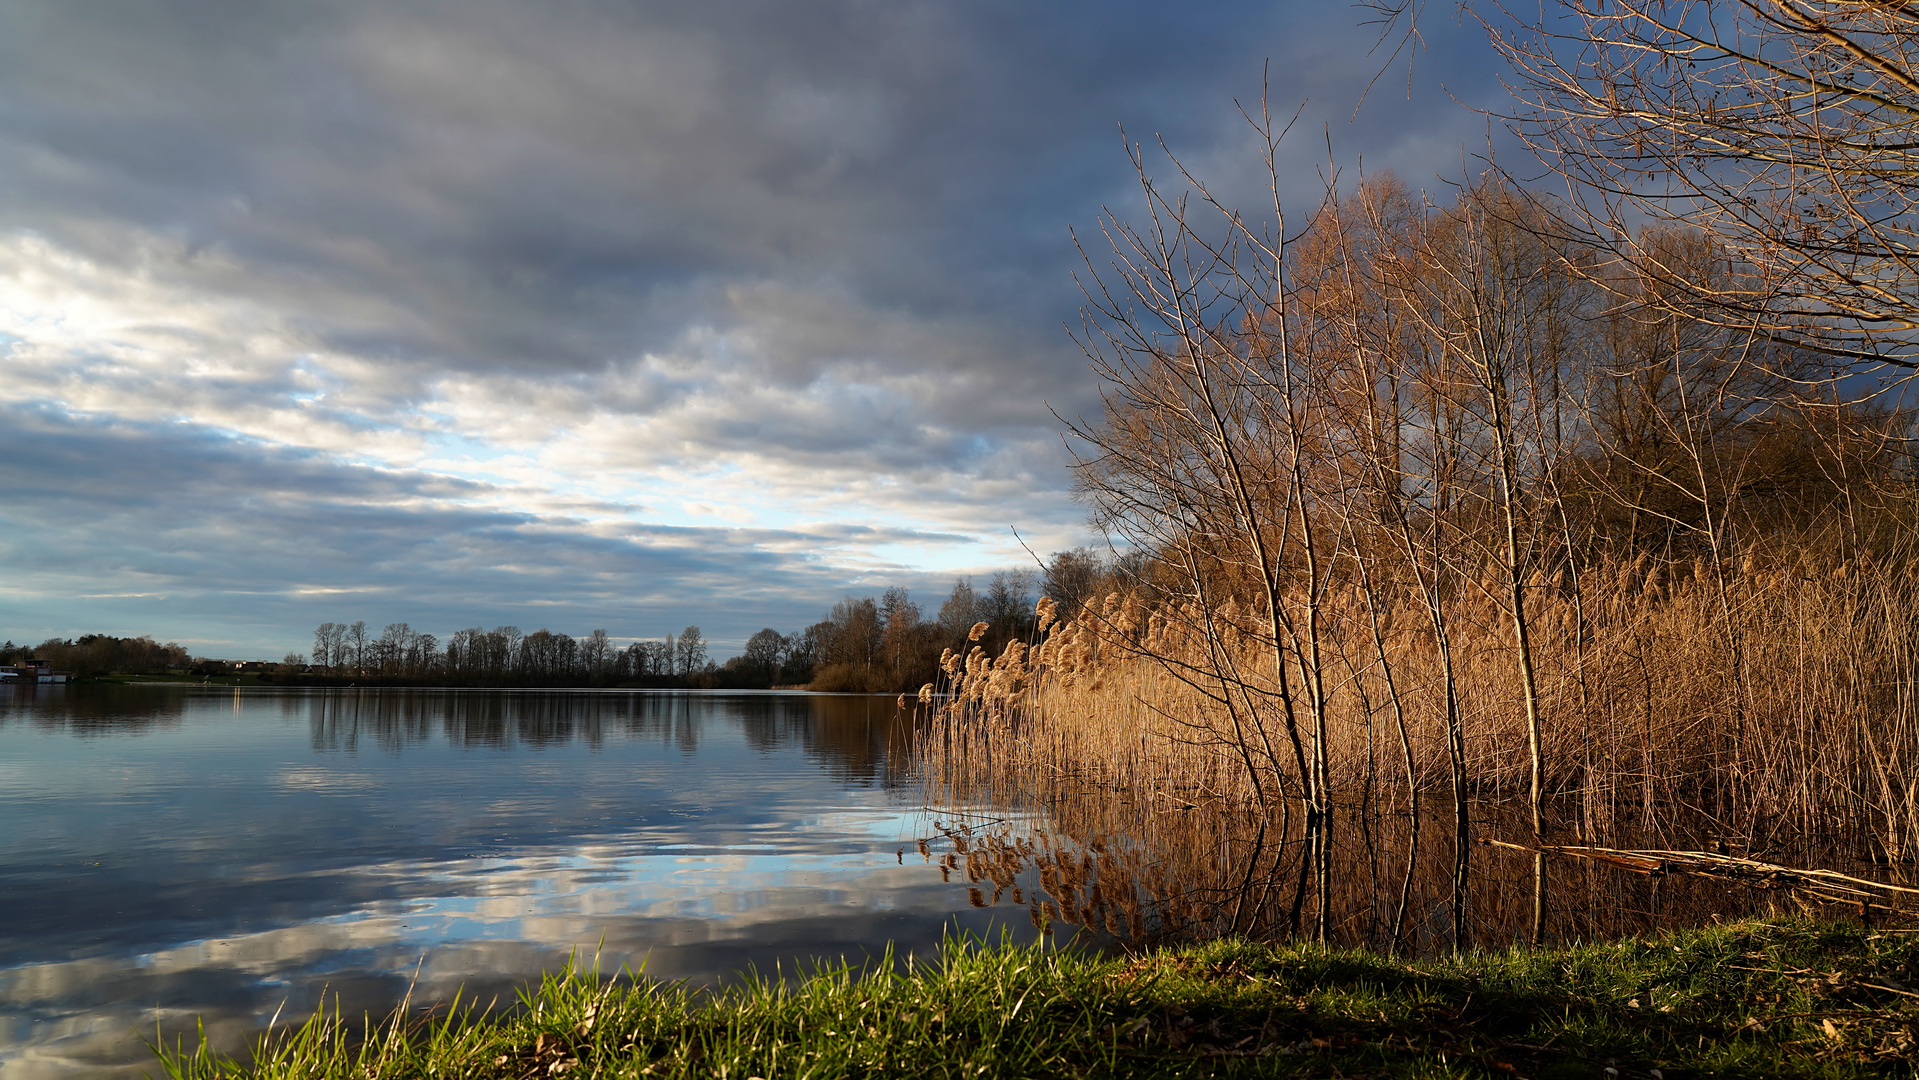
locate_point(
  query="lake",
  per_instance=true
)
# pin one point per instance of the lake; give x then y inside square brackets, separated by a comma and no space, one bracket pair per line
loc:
[173,852]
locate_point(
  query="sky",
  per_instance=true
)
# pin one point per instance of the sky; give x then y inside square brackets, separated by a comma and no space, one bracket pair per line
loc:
[622,315]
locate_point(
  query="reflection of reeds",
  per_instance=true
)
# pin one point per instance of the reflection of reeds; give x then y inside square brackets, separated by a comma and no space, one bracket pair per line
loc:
[1103,865]
[1814,731]
[1128,737]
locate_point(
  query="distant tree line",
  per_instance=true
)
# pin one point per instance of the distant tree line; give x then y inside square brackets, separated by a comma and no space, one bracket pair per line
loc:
[506,656]
[102,654]
[883,644]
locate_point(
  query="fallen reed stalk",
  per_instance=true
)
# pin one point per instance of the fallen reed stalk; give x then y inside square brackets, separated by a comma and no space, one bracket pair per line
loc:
[1829,885]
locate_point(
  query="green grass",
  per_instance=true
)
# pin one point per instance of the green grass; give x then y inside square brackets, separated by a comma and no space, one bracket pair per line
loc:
[1787,999]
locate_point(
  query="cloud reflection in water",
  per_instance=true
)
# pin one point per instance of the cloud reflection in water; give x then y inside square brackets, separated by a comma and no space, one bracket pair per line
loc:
[265,859]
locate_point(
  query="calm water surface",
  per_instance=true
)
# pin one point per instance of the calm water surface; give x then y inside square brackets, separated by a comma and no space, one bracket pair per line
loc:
[168,853]
[172,852]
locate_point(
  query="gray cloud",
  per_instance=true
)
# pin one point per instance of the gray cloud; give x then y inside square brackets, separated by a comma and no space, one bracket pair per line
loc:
[428,291]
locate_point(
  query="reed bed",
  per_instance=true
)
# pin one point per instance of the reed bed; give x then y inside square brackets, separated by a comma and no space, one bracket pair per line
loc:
[1772,699]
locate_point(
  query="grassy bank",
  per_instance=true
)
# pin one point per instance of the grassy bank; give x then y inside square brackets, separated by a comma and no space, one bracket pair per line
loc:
[1749,1000]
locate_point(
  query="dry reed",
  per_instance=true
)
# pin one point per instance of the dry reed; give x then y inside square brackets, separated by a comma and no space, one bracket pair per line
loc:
[1647,717]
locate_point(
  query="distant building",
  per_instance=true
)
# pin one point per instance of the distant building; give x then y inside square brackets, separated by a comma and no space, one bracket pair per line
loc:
[31,671]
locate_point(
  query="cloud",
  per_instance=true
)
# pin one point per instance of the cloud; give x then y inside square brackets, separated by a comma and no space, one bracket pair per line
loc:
[496,296]
[134,528]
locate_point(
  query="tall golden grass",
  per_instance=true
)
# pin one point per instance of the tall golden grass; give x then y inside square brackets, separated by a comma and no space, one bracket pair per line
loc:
[1789,710]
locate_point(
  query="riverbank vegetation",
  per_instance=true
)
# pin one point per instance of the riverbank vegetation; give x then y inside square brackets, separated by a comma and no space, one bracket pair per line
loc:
[889,646]
[1759,999]
[1489,494]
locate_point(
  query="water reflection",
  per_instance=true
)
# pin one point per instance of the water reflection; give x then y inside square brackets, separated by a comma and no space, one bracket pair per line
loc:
[1133,873]
[173,852]
[856,736]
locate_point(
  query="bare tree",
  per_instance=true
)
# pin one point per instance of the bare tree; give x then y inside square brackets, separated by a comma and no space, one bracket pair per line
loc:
[764,653]
[690,652]
[1488,292]
[598,654]
[328,649]
[1205,453]
[1784,129]
[356,641]
[393,647]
